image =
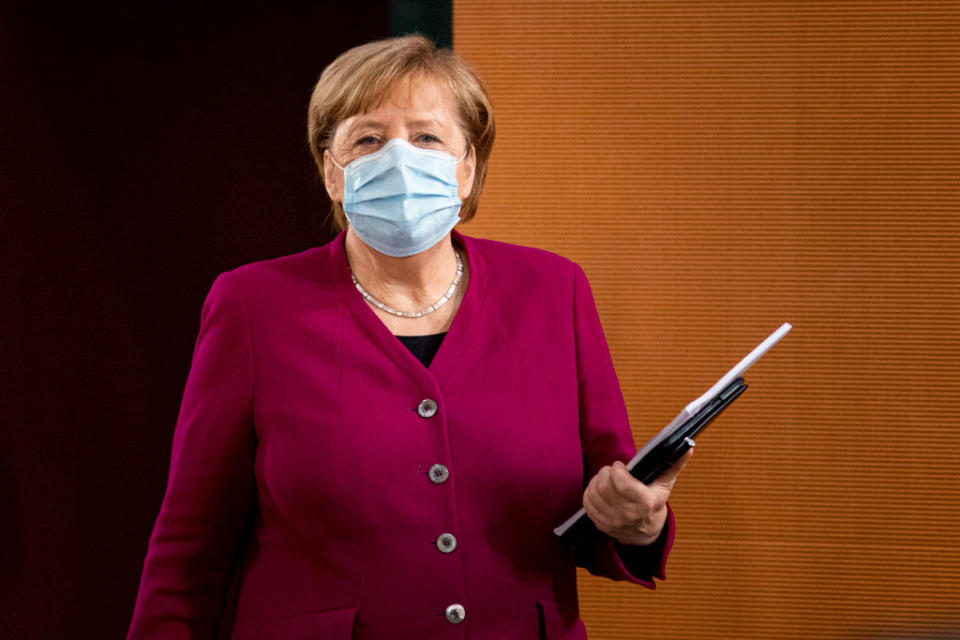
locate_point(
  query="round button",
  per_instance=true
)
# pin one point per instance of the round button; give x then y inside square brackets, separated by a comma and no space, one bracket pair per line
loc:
[427,408]
[446,543]
[438,474]
[455,613]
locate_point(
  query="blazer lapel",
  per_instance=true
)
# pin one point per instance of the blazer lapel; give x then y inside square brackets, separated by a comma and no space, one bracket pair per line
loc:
[465,323]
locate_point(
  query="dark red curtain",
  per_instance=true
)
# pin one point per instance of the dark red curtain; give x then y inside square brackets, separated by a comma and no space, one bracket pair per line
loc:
[143,150]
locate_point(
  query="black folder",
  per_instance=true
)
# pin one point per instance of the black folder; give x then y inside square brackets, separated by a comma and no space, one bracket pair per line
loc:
[670,449]
[676,438]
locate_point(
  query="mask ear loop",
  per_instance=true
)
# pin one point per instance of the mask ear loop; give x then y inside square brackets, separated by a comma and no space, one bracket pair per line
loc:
[334,160]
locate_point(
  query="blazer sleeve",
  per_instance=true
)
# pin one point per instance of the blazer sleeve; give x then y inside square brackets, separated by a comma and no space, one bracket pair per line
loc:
[605,437]
[206,512]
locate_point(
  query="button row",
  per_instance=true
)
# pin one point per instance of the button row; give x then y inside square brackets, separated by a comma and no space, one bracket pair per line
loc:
[447,542]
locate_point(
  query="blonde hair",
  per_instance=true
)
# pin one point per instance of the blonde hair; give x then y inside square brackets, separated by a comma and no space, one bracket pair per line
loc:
[360,78]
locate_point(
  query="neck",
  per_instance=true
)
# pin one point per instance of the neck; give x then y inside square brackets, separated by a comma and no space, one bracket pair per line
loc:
[409,283]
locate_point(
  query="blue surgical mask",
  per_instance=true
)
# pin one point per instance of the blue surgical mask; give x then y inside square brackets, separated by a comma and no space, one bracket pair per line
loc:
[402,199]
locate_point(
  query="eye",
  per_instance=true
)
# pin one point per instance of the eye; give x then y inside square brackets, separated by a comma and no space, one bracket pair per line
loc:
[366,141]
[427,138]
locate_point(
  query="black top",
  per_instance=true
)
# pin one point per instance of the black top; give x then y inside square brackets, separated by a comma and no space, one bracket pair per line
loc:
[423,347]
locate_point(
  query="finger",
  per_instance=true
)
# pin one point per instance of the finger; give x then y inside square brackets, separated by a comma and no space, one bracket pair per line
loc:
[606,497]
[668,477]
[592,492]
[627,487]
[597,509]
[638,500]
[633,501]
[605,489]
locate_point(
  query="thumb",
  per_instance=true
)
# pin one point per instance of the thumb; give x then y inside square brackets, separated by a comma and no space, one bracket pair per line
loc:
[668,477]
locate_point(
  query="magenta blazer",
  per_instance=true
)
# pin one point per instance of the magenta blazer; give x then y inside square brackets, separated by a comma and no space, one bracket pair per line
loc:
[351,492]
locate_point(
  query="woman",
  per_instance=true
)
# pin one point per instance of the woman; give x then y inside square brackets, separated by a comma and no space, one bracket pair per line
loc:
[379,435]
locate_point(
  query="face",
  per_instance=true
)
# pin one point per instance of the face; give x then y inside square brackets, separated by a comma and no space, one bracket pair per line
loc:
[416,110]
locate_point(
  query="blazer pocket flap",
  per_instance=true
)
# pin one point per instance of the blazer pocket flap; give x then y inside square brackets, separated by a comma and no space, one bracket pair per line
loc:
[559,625]
[333,624]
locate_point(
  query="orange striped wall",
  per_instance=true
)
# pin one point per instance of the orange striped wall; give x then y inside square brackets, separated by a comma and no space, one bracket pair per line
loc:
[719,168]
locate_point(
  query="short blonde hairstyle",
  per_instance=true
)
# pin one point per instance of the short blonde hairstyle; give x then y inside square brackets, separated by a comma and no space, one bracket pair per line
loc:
[362,77]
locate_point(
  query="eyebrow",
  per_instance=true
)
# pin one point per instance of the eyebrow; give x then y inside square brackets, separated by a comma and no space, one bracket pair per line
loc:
[365,123]
[359,124]
[420,123]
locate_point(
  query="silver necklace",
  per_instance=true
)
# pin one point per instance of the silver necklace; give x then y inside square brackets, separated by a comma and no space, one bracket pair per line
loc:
[413,314]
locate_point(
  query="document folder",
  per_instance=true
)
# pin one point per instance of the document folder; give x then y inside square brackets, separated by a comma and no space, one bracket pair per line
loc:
[676,438]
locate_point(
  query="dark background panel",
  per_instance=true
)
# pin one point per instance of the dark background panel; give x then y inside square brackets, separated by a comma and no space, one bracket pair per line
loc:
[431,17]
[143,150]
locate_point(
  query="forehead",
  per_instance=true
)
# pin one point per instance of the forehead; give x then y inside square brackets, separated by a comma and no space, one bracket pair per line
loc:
[411,98]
